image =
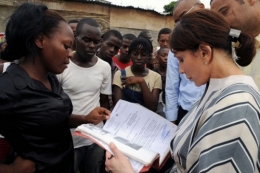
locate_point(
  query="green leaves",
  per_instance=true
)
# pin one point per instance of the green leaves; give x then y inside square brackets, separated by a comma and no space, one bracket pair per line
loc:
[169,7]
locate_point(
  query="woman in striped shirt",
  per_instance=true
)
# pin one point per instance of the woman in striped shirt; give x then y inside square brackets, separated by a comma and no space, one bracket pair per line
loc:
[221,133]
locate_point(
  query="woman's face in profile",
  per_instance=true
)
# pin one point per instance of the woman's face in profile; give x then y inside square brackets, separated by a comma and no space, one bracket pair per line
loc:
[56,49]
[192,65]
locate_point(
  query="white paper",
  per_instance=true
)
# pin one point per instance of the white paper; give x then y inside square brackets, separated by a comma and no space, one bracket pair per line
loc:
[141,126]
[99,135]
[136,131]
[137,166]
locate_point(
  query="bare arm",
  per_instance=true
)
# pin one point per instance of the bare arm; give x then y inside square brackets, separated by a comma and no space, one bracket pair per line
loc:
[117,94]
[20,165]
[94,117]
[150,98]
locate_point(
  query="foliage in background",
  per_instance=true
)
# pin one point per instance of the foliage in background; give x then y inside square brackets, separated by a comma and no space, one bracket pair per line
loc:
[169,7]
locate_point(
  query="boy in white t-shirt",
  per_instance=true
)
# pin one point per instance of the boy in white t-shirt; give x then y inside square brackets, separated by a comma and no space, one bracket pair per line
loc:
[87,81]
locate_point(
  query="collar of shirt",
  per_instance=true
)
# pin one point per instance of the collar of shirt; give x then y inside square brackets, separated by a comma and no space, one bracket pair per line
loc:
[22,79]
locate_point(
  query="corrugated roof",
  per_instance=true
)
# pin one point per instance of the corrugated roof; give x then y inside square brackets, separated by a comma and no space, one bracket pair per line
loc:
[108,3]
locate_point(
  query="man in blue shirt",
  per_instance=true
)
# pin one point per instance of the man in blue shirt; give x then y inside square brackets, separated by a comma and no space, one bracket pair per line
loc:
[181,93]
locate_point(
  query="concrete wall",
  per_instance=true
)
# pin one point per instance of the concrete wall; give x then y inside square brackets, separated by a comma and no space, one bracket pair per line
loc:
[124,19]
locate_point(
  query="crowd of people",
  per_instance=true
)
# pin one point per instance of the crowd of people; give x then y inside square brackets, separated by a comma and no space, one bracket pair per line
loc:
[58,74]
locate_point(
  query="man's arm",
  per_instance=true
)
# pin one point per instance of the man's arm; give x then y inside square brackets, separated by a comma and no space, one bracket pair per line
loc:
[94,117]
[172,88]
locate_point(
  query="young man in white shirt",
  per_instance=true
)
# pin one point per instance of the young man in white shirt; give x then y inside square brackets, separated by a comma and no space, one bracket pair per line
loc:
[87,81]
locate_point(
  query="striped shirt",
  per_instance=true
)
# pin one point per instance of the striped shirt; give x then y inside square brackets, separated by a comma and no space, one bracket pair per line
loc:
[221,132]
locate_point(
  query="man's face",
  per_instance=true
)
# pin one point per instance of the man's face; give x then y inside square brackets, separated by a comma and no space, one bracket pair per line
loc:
[236,12]
[88,41]
[110,47]
[185,7]
[148,36]
[163,40]
[73,27]
[162,57]
[124,49]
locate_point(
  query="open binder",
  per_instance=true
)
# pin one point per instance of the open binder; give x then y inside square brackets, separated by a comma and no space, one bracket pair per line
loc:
[142,135]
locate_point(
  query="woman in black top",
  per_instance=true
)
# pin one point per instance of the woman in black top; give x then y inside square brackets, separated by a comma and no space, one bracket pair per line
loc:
[35,113]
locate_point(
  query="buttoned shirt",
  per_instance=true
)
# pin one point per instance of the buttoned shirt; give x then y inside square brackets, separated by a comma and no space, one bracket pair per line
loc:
[34,120]
[179,91]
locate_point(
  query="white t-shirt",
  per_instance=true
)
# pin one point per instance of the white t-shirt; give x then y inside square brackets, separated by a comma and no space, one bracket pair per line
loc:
[5,65]
[84,86]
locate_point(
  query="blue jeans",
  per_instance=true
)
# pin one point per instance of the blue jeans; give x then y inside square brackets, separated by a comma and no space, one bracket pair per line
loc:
[86,158]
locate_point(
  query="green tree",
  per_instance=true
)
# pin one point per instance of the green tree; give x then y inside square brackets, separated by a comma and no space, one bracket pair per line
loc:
[169,7]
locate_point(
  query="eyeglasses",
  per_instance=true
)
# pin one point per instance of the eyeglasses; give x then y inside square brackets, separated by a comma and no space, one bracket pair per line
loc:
[192,7]
[186,12]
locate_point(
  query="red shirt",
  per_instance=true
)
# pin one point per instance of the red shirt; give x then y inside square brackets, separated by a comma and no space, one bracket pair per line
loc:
[121,65]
